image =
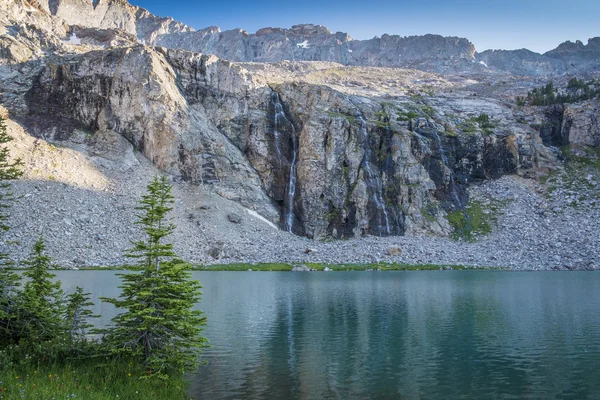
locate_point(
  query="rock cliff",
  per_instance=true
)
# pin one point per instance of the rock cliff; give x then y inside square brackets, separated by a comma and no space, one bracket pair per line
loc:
[342,146]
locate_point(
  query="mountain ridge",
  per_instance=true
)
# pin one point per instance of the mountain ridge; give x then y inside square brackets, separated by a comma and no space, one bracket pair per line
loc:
[311,42]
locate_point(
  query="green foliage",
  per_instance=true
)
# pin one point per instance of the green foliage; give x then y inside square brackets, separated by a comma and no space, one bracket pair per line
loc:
[576,90]
[159,326]
[406,116]
[351,118]
[41,316]
[9,170]
[78,314]
[429,211]
[581,171]
[475,220]
[89,379]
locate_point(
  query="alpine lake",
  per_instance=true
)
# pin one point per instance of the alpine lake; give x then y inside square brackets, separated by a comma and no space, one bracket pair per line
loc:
[390,334]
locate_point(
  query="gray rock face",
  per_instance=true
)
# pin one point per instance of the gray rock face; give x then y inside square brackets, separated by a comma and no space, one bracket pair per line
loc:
[325,159]
[568,58]
[576,124]
[317,43]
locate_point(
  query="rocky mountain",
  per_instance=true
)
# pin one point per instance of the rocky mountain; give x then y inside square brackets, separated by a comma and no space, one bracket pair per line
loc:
[343,146]
[432,53]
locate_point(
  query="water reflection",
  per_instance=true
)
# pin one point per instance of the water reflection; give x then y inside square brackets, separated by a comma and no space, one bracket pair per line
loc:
[396,335]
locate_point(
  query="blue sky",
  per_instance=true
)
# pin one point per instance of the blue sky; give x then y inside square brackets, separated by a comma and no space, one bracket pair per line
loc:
[538,25]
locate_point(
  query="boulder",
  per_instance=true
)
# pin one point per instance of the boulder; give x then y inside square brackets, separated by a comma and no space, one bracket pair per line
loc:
[394,251]
[300,268]
[234,218]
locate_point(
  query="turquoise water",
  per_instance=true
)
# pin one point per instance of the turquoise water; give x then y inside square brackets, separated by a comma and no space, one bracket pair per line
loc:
[393,335]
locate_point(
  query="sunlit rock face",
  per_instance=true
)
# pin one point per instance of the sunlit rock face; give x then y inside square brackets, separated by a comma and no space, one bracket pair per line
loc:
[321,149]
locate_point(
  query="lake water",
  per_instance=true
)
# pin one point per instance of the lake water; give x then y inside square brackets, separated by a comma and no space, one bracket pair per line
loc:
[392,335]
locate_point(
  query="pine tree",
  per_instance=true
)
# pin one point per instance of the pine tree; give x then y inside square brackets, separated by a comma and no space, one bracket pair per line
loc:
[159,325]
[9,281]
[42,309]
[78,314]
[9,170]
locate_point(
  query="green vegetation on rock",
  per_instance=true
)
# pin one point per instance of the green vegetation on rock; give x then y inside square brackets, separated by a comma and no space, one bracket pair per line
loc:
[547,95]
[476,220]
[280,267]
[581,172]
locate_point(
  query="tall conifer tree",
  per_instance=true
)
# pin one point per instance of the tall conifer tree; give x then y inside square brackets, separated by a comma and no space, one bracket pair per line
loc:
[159,324]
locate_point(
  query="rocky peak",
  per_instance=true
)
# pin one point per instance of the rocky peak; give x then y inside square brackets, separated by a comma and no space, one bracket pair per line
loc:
[309,30]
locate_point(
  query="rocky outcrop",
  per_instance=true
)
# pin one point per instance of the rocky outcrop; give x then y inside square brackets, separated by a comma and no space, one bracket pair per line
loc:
[567,58]
[316,43]
[569,124]
[521,62]
[142,95]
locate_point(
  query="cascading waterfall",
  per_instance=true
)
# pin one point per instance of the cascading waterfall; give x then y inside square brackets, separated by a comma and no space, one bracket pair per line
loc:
[444,158]
[373,180]
[290,193]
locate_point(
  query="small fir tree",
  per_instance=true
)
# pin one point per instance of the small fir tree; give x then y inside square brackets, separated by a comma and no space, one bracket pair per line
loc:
[159,325]
[9,170]
[9,281]
[78,314]
[42,308]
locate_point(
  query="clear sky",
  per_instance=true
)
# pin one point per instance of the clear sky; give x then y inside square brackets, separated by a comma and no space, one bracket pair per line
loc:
[539,25]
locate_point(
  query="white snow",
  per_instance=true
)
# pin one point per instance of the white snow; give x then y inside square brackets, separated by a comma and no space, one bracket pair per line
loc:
[484,64]
[260,217]
[30,8]
[74,39]
[303,45]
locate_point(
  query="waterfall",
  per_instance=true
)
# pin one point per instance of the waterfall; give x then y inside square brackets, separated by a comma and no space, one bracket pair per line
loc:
[290,193]
[373,180]
[444,158]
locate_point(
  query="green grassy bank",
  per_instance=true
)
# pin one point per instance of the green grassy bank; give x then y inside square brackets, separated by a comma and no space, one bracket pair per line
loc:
[86,380]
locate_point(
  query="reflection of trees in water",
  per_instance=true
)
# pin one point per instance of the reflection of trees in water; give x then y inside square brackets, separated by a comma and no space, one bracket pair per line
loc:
[421,336]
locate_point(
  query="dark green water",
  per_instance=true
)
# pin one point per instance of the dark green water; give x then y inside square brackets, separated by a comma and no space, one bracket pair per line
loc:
[394,335]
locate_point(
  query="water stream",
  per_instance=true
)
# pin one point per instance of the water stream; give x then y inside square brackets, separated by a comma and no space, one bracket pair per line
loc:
[290,193]
[453,191]
[373,180]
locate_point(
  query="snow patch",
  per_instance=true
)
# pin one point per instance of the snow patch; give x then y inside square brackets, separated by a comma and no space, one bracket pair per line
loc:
[74,39]
[484,64]
[260,217]
[303,45]
[29,8]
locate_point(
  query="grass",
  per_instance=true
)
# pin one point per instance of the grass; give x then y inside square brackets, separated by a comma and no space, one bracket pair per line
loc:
[476,220]
[351,119]
[381,266]
[86,380]
[406,116]
[286,267]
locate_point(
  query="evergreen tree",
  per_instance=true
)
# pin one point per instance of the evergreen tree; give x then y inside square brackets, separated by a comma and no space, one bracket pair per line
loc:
[159,325]
[42,310]
[9,281]
[9,170]
[78,315]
